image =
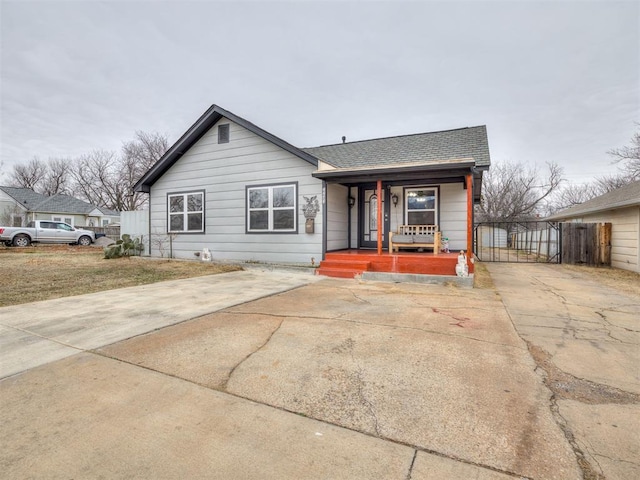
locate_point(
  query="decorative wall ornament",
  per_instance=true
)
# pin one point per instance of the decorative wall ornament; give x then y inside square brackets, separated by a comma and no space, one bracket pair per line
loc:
[312,207]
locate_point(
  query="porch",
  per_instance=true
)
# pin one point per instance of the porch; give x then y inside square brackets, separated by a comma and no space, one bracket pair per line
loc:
[351,262]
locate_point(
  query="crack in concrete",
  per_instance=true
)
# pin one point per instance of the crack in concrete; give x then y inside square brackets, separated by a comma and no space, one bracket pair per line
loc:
[34,334]
[588,472]
[341,318]
[416,448]
[460,320]
[223,385]
[357,297]
[606,319]
[568,387]
[635,464]
[366,402]
[413,461]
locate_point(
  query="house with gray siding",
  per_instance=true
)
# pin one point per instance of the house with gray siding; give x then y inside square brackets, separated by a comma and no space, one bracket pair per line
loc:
[621,208]
[246,195]
[18,206]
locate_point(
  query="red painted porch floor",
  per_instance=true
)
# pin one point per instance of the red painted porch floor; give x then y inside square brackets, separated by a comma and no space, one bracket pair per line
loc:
[349,263]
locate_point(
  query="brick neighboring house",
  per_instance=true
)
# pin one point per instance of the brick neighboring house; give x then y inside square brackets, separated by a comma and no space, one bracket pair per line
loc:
[18,206]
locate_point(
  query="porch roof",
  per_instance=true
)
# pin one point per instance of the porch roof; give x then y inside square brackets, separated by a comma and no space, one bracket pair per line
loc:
[417,149]
[445,171]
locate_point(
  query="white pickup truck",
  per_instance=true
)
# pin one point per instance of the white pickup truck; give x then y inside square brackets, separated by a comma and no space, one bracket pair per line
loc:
[45,231]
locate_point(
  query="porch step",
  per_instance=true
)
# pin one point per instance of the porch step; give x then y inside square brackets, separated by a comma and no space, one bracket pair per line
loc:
[348,263]
[343,268]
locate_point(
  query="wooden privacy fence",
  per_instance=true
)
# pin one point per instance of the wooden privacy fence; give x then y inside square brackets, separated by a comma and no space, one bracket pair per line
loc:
[112,232]
[586,243]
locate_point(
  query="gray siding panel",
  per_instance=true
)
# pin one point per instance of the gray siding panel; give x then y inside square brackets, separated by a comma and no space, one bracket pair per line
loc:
[625,235]
[224,171]
[337,217]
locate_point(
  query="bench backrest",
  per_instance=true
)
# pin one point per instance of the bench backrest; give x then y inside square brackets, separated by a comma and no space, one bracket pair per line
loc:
[417,229]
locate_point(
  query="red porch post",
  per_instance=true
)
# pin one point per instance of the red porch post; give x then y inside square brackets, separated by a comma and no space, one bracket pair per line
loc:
[469,221]
[380,213]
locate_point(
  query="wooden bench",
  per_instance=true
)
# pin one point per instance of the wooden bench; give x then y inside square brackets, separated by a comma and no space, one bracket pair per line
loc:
[415,236]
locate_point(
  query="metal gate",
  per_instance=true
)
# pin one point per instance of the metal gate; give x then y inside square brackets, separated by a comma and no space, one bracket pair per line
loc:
[518,242]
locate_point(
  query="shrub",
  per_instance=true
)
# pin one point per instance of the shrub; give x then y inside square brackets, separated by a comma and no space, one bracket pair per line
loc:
[125,247]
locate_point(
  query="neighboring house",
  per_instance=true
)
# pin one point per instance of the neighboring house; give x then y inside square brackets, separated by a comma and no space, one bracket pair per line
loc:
[18,206]
[621,208]
[247,195]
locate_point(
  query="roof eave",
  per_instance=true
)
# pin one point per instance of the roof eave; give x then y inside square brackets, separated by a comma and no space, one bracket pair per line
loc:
[587,211]
[346,174]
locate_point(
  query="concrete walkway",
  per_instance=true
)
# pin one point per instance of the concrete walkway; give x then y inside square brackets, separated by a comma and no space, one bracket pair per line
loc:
[333,379]
[585,338]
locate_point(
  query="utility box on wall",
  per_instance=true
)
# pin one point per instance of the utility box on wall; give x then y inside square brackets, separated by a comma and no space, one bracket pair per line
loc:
[308,225]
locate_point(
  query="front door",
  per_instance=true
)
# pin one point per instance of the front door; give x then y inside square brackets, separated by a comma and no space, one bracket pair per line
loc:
[368,214]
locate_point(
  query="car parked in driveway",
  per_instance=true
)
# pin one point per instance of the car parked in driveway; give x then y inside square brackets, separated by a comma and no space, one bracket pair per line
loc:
[44,231]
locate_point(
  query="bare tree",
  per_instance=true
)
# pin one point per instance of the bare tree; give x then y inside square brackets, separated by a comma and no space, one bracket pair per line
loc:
[607,183]
[105,178]
[47,178]
[57,177]
[30,175]
[102,178]
[513,192]
[138,156]
[96,178]
[570,195]
[629,158]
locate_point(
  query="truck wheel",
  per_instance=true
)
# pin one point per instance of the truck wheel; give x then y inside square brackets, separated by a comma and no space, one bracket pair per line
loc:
[84,241]
[21,241]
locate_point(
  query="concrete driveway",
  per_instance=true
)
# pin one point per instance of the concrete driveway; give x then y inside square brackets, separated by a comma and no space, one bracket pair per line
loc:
[332,379]
[585,339]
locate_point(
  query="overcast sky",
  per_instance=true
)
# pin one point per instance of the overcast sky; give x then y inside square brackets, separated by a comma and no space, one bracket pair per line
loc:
[553,81]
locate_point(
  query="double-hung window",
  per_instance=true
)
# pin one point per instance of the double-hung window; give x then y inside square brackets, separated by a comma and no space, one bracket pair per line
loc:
[186,212]
[421,206]
[272,208]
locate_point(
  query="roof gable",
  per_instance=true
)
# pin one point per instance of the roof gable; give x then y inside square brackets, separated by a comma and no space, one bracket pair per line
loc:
[196,131]
[59,203]
[24,196]
[625,196]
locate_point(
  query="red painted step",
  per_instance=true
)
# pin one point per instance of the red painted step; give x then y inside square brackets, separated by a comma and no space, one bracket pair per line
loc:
[348,263]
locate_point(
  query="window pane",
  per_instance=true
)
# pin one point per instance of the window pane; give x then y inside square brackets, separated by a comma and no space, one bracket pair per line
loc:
[194,221]
[176,204]
[177,223]
[194,202]
[283,197]
[283,220]
[259,220]
[421,200]
[421,218]
[258,198]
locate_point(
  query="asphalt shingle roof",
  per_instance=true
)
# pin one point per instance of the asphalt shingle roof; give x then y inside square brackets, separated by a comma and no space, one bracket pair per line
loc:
[421,148]
[36,202]
[625,196]
[25,196]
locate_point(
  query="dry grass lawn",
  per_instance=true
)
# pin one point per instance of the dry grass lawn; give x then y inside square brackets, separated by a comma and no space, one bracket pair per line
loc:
[45,272]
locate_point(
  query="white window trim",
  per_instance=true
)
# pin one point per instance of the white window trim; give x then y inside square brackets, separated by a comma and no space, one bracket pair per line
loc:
[185,212]
[270,208]
[63,219]
[418,189]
